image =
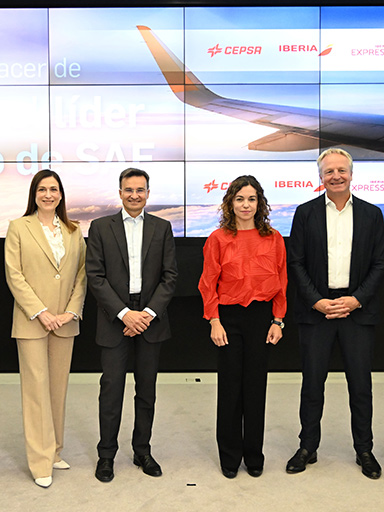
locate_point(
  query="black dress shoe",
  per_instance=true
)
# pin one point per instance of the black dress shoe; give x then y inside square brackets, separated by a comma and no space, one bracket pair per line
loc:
[253,471]
[301,458]
[148,463]
[369,465]
[104,470]
[229,473]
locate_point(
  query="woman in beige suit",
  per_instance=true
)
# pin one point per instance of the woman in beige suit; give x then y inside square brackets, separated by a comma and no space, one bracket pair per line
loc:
[45,271]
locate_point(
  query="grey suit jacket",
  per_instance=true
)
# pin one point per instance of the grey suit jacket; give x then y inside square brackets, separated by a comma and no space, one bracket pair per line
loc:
[308,259]
[107,266]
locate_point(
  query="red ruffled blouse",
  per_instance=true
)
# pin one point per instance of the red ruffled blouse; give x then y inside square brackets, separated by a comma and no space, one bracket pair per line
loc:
[243,268]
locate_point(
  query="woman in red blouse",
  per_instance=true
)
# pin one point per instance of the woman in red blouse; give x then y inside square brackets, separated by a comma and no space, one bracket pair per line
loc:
[243,286]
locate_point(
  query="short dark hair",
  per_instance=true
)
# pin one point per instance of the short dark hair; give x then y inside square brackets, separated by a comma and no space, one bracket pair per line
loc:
[61,209]
[228,219]
[131,171]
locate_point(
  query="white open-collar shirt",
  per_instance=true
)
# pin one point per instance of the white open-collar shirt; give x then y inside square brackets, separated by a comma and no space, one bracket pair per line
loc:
[339,238]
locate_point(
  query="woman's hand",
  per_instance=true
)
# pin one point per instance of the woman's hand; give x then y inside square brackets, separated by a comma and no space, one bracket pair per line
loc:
[218,334]
[275,334]
[50,322]
[65,318]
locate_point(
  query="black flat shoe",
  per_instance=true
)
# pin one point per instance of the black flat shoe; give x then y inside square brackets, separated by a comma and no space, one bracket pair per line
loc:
[298,462]
[369,465]
[104,470]
[255,472]
[148,463]
[229,473]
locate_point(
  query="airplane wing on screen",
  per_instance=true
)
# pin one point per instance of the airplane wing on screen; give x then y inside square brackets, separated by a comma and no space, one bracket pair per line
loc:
[296,128]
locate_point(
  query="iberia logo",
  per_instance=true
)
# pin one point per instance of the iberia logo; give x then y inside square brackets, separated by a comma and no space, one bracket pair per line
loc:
[327,51]
[298,184]
[215,50]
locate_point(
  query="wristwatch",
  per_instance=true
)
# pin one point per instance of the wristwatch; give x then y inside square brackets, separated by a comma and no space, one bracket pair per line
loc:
[280,324]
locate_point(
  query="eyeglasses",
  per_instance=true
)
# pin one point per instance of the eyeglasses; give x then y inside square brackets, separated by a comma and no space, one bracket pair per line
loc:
[130,191]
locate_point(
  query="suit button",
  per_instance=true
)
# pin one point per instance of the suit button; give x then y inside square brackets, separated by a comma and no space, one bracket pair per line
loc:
[57,276]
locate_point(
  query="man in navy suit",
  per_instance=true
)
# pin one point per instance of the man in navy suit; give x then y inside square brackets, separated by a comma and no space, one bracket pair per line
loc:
[336,258]
[131,268]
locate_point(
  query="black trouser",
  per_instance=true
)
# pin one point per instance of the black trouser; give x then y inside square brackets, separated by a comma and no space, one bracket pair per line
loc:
[242,379]
[356,343]
[114,362]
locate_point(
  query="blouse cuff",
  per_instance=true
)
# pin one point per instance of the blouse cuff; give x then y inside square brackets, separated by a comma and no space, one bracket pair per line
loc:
[75,317]
[37,314]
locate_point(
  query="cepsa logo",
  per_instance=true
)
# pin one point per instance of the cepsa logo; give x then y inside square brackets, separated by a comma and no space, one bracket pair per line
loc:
[234,50]
[209,187]
[304,48]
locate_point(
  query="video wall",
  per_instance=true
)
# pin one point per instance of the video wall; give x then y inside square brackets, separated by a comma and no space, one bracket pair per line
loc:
[196,96]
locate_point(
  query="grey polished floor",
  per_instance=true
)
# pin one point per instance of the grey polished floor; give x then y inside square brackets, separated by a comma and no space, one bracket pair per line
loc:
[184,444]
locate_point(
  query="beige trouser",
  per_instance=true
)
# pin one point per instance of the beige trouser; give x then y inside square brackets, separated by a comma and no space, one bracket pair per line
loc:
[44,370]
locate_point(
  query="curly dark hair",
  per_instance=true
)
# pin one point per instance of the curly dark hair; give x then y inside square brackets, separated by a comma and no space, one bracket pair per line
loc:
[61,209]
[228,219]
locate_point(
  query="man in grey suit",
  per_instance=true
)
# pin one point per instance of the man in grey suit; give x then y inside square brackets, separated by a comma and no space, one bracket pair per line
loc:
[131,268]
[336,257]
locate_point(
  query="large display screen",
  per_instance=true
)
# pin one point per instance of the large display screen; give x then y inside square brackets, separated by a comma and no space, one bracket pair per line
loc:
[196,96]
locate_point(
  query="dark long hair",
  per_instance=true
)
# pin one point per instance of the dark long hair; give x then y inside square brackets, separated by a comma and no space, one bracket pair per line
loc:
[61,209]
[228,218]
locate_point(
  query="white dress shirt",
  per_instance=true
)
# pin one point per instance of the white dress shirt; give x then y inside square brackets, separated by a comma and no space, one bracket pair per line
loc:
[133,227]
[339,237]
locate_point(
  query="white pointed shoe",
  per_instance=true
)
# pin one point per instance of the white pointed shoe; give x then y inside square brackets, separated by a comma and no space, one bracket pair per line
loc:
[44,481]
[61,465]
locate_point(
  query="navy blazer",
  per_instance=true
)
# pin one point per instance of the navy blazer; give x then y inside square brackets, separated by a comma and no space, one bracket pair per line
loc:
[107,266]
[308,259]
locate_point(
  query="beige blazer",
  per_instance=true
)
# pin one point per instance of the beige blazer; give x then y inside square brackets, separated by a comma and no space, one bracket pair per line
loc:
[35,280]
